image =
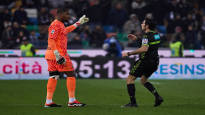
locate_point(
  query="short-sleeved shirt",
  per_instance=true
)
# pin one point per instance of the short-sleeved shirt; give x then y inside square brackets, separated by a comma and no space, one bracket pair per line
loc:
[152,40]
[57,32]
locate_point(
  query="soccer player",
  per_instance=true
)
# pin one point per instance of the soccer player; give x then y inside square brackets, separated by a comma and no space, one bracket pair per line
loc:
[146,64]
[58,59]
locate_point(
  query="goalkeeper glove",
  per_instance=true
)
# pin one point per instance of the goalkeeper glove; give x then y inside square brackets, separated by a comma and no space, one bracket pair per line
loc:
[82,20]
[60,59]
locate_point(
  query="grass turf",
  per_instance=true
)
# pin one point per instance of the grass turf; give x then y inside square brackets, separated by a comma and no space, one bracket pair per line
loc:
[104,97]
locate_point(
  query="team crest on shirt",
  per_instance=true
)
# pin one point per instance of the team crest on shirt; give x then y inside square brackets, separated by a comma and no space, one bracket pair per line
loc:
[52,31]
[144,41]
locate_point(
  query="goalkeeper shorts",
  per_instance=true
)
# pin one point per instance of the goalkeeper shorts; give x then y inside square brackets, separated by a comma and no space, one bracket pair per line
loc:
[54,66]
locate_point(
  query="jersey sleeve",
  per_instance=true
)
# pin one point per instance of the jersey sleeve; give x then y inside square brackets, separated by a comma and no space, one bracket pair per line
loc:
[145,41]
[54,31]
[69,29]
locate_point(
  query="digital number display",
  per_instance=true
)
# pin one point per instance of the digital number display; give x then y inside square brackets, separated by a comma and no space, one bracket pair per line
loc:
[102,67]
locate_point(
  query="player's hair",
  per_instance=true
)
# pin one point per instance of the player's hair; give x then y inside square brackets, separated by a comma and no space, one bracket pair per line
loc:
[150,23]
[61,10]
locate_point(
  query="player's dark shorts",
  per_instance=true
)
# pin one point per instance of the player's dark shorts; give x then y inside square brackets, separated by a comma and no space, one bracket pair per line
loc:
[144,68]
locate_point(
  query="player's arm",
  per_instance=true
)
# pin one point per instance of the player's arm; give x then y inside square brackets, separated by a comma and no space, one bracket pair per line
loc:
[53,35]
[81,21]
[142,49]
[132,36]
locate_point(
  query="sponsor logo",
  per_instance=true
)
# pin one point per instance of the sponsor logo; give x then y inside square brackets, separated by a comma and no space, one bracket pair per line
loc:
[144,41]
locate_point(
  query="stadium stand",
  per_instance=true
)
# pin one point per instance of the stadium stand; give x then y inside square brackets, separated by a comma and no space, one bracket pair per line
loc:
[184,17]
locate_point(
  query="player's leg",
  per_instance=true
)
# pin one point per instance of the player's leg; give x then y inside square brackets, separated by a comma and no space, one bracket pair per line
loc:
[68,69]
[52,82]
[71,82]
[71,86]
[149,86]
[51,86]
[152,89]
[135,71]
[131,91]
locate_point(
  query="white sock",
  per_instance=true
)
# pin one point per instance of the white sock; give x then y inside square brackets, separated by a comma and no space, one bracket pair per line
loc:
[48,101]
[71,100]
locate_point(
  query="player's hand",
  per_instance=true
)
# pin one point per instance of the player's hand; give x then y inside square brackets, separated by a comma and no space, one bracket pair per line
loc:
[131,36]
[83,19]
[60,59]
[124,54]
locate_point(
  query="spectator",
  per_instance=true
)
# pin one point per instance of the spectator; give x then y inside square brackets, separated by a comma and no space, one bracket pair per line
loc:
[7,16]
[81,4]
[21,37]
[198,43]
[203,31]
[43,41]
[98,37]
[56,3]
[132,25]
[183,8]
[176,47]
[178,22]
[44,18]
[86,36]
[113,47]
[95,12]
[7,23]
[106,6]
[76,43]
[34,39]
[5,19]
[31,3]
[187,22]
[191,38]
[20,16]
[117,16]
[174,21]
[178,35]
[7,38]
[154,7]
[27,49]
[170,20]
[137,7]
[17,28]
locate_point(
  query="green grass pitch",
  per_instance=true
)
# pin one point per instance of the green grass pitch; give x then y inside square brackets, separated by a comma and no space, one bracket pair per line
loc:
[104,97]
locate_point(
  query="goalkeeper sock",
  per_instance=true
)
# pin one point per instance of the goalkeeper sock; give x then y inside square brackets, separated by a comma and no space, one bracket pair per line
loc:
[71,84]
[51,86]
[71,100]
[48,101]
[151,88]
[131,92]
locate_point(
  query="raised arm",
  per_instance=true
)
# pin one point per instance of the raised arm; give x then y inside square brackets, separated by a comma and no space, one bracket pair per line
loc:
[142,49]
[81,21]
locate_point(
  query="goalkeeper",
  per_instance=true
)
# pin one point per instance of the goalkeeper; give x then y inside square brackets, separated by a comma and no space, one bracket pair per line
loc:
[58,59]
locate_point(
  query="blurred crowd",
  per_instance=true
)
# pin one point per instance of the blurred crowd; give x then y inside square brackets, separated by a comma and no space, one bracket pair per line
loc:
[182,20]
